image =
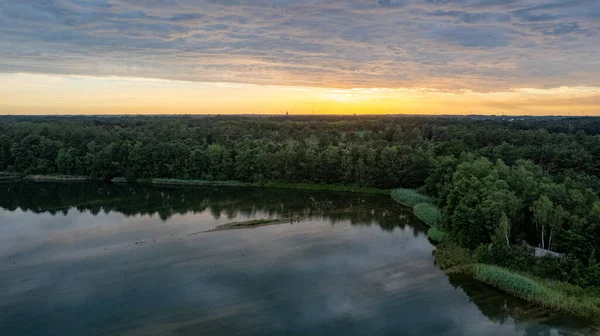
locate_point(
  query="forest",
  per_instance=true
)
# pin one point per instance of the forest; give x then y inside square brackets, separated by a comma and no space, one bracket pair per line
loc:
[501,183]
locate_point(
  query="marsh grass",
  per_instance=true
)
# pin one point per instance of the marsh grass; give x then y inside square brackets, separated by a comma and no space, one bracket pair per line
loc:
[408,197]
[537,291]
[428,213]
[436,235]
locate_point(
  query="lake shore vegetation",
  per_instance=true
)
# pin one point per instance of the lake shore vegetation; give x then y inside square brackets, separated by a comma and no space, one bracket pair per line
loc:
[518,195]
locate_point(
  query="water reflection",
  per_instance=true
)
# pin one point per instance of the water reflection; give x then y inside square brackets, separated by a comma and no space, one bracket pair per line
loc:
[228,202]
[103,259]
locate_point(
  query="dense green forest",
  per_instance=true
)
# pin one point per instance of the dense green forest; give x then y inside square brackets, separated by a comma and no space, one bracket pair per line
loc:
[499,182]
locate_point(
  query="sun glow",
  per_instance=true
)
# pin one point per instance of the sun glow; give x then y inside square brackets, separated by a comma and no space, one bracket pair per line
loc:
[52,94]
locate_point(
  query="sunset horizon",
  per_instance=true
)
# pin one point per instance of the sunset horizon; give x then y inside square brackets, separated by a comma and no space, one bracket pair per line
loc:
[535,57]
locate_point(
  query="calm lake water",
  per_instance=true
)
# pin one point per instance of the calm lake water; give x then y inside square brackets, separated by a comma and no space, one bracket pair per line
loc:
[105,259]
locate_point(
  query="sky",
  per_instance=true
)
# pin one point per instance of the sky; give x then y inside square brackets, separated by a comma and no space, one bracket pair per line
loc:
[514,57]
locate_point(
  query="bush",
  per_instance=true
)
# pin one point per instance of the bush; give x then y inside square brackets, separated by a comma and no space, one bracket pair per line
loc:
[409,197]
[550,267]
[515,257]
[428,213]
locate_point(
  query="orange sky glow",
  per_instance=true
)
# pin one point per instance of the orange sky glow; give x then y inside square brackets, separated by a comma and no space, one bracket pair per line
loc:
[53,94]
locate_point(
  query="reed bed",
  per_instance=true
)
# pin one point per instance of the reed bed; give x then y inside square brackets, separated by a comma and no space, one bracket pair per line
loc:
[536,291]
[436,235]
[408,197]
[428,213]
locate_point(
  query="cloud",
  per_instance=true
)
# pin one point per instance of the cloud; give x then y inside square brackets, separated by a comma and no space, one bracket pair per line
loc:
[444,44]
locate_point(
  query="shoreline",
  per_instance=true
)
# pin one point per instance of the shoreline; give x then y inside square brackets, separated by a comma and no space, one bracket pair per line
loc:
[191,182]
[449,256]
[423,209]
[453,258]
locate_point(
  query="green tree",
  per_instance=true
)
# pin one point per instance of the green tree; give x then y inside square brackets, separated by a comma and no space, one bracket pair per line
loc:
[542,210]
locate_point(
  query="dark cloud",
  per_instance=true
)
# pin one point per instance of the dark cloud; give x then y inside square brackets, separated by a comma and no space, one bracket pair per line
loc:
[446,44]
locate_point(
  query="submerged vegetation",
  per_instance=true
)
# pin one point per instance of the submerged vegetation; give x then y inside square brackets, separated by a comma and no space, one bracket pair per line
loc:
[247,224]
[488,189]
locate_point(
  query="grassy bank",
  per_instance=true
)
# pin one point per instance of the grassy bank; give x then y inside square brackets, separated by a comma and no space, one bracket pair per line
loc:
[422,207]
[555,295]
[452,258]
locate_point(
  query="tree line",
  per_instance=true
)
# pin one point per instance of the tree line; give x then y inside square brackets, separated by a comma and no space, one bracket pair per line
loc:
[499,181]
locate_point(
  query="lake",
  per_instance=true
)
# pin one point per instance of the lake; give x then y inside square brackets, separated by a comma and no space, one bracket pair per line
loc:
[109,259]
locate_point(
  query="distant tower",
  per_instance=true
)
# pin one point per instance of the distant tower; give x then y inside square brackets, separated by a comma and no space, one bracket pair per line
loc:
[287,113]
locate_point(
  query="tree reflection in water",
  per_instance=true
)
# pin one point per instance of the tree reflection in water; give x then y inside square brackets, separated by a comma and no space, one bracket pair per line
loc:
[142,199]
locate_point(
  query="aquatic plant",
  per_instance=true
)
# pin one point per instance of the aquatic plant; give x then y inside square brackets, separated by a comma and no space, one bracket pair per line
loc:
[428,213]
[408,197]
[536,291]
